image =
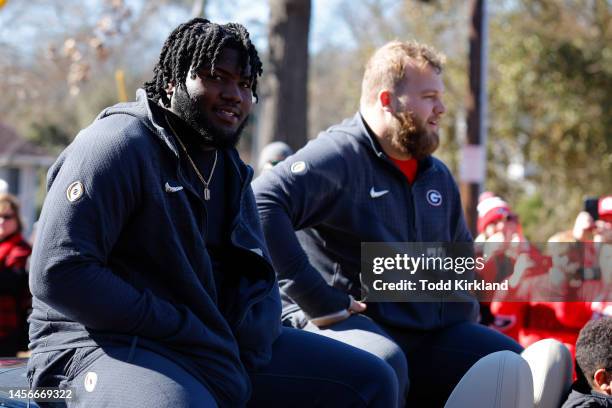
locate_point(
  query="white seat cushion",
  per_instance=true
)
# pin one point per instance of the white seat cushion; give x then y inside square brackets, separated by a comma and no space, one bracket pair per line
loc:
[551,368]
[499,380]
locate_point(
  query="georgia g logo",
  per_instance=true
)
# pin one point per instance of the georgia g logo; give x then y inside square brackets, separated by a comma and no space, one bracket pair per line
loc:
[434,198]
[75,191]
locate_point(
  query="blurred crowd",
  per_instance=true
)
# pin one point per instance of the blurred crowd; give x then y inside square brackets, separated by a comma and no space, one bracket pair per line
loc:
[555,289]
[15,299]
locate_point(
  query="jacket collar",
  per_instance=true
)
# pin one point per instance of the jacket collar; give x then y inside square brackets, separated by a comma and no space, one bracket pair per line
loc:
[141,109]
[146,116]
[155,124]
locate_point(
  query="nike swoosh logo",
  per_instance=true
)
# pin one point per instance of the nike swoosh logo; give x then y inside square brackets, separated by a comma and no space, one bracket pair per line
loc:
[376,194]
[171,189]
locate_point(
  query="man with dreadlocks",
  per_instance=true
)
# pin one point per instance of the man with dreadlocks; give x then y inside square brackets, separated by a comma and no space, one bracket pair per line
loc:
[151,279]
[373,178]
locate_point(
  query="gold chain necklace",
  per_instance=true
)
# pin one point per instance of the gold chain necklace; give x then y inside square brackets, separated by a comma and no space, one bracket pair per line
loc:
[212,170]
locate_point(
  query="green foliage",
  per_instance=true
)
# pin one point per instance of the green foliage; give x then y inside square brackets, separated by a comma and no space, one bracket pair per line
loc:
[529,208]
[52,136]
[550,82]
[55,129]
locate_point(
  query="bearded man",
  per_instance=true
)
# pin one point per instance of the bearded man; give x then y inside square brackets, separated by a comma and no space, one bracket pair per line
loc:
[152,283]
[372,179]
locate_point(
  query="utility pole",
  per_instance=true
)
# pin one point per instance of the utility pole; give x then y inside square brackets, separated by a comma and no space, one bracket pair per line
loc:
[198,9]
[473,161]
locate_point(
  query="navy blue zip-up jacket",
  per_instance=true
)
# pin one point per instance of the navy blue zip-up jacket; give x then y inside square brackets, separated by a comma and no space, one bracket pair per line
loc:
[128,257]
[587,399]
[332,192]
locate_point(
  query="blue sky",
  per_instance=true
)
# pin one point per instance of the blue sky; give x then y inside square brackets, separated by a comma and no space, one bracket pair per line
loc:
[254,15]
[26,24]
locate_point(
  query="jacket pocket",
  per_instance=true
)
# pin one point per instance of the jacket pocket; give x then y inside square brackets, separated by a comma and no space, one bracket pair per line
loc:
[82,359]
[51,368]
[258,330]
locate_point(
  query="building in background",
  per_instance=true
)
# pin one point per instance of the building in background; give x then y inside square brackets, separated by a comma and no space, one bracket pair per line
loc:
[21,166]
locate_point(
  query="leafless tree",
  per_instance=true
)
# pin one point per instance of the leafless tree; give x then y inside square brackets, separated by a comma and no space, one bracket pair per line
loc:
[285,102]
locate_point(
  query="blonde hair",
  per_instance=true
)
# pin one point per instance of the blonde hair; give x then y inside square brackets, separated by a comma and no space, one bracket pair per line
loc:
[563,236]
[9,201]
[563,243]
[386,69]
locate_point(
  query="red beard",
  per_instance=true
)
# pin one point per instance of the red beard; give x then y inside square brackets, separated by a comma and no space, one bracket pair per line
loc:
[409,135]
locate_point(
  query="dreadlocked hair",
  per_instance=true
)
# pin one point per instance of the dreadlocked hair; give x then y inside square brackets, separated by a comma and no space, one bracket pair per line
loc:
[194,45]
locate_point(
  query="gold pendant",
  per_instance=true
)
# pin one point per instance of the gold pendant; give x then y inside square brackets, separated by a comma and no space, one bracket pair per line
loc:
[206,194]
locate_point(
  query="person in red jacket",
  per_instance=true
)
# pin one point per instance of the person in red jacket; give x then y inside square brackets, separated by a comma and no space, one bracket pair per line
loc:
[544,299]
[14,294]
[500,242]
[500,238]
[558,299]
[600,291]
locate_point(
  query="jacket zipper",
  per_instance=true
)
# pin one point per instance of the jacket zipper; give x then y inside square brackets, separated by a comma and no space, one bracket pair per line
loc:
[235,225]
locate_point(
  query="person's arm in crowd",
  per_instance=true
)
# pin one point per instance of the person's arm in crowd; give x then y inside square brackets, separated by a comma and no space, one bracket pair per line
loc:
[583,227]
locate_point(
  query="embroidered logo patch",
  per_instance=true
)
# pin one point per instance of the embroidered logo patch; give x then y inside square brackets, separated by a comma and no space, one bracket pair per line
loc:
[91,379]
[172,189]
[298,167]
[434,198]
[75,191]
[376,194]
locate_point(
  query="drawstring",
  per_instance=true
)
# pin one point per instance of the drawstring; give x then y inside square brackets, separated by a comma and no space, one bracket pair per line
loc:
[30,381]
[132,349]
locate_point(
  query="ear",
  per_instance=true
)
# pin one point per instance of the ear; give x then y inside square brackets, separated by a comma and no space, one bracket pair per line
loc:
[601,382]
[385,97]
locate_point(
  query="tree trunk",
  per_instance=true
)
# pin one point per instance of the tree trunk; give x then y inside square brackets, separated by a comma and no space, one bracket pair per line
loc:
[285,98]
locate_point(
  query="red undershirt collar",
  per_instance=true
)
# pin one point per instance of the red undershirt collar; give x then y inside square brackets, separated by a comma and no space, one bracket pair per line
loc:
[408,167]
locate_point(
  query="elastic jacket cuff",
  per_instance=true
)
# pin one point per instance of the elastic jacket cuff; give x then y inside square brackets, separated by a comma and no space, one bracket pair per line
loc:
[322,301]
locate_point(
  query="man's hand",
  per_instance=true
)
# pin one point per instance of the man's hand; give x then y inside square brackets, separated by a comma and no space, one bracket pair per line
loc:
[563,270]
[523,263]
[355,306]
[496,244]
[583,227]
[603,231]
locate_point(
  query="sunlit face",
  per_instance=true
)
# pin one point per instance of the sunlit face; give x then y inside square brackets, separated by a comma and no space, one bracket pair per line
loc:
[418,110]
[603,230]
[8,221]
[508,226]
[217,103]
